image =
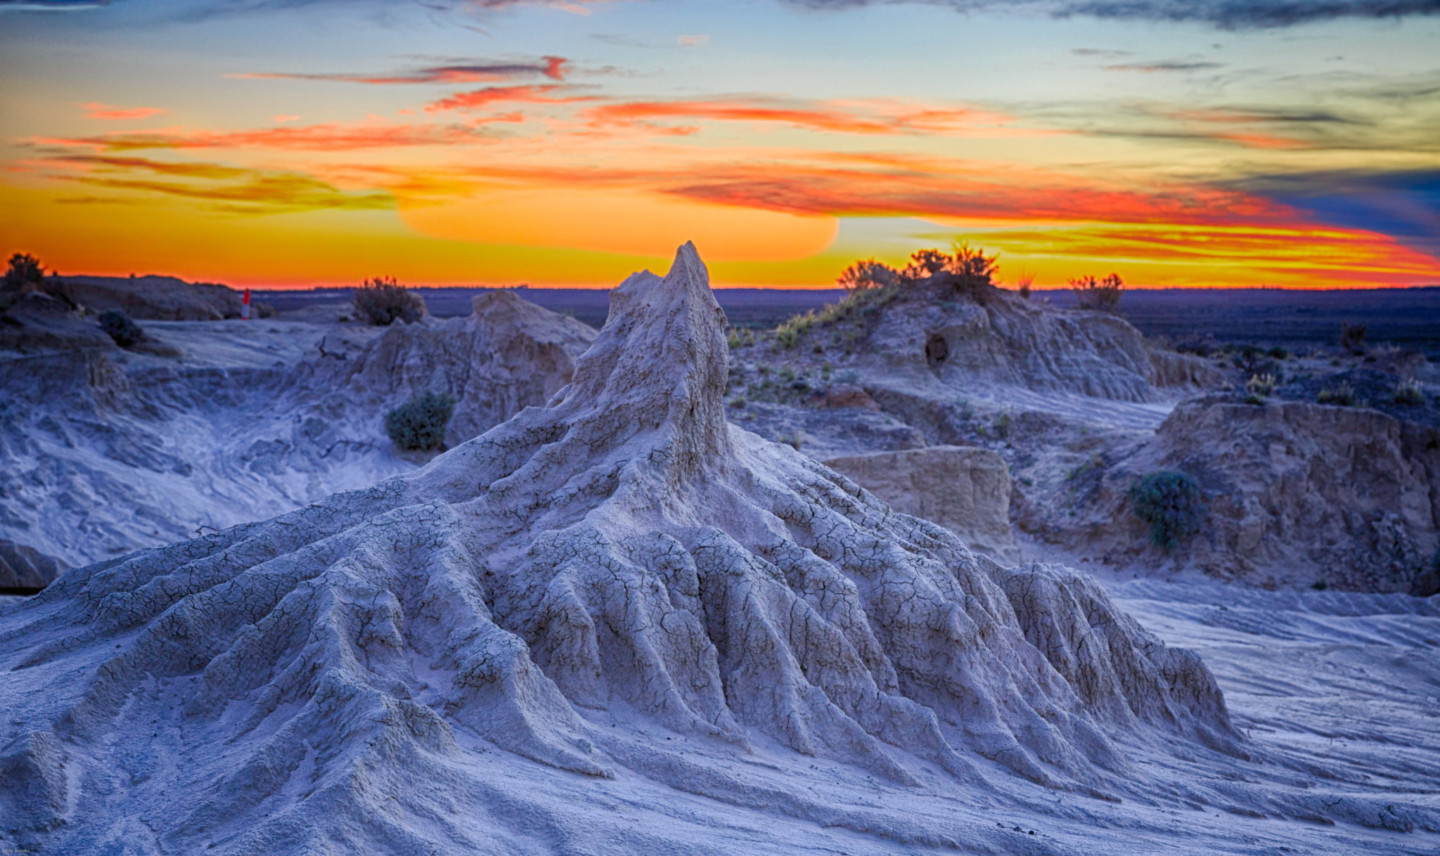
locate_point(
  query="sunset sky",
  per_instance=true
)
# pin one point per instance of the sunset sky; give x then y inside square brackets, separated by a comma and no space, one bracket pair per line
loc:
[295,143]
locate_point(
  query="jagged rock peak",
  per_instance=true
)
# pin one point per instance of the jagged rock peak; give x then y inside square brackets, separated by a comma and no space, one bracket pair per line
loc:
[661,360]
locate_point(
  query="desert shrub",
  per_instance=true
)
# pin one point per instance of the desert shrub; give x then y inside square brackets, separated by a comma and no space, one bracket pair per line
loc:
[740,338]
[1259,388]
[1102,294]
[1199,347]
[1171,503]
[867,274]
[1023,284]
[119,327]
[1352,337]
[925,264]
[1341,396]
[420,423]
[382,300]
[24,270]
[1408,392]
[789,333]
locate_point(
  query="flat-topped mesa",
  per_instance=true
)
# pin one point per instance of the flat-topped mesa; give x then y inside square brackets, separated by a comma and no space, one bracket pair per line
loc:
[660,364]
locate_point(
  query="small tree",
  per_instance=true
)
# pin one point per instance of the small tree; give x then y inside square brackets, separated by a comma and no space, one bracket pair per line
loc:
[1023,285]
[382,300]
[1103,294]
[119,327]
[1170,502]
[420,423]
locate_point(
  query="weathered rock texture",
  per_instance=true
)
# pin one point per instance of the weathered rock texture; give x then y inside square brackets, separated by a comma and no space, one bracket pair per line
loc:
[22,567]
[335,679]
[964,489]
[1297,493]
[103,452]
[1006,340]
[507,355]
[158,298]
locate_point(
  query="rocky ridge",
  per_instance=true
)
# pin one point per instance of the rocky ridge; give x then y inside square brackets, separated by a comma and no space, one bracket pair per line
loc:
[327,679]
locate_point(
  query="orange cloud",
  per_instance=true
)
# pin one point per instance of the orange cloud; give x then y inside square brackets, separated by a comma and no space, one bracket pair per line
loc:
[96,110]
[228,188]
[854,117]
[329,137]
[496,94]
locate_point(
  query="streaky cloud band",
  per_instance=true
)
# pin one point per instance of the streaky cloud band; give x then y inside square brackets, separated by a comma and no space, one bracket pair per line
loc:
[1225,14]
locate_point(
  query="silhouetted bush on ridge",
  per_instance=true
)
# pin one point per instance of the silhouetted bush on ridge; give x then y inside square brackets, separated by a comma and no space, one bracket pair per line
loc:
[381,301]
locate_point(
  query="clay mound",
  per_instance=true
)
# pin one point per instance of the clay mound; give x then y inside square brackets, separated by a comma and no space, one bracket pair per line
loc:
[103,452]
[25,568]
[1003,339]
[337,679]
[508,354]
[158,298]
[964,489]
[1296,494]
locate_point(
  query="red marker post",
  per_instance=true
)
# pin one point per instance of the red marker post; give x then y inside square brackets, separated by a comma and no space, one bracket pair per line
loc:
[245,307]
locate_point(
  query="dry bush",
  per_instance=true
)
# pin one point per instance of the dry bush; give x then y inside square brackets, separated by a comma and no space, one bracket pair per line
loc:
[867,274]
[381,301]
[1352,337]
[1099,294]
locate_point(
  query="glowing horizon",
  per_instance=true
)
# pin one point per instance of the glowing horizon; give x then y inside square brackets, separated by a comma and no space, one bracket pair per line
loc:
[314,143]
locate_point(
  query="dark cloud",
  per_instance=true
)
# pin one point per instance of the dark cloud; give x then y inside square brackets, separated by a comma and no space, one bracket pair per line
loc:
[50,5]
[1403,204]
[1225,14]
[1167,65]
[477,71]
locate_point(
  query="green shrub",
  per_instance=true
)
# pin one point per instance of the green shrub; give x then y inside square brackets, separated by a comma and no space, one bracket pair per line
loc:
[789,333]
[119,327]
[1259,388]
[420,423]
[381,301]
[1341,396]
[1171,503]
[1408,392]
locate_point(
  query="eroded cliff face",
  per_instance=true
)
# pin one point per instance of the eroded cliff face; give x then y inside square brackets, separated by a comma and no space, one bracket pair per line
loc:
[104,451]
[1005,340]
[342,676]
[1295,494]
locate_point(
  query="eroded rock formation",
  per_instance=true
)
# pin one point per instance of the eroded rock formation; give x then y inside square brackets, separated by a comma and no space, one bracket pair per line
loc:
[1295,494]
[964,489]
[331,677]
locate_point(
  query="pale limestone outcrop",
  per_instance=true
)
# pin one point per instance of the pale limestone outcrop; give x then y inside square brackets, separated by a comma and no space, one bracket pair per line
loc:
[964,489]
